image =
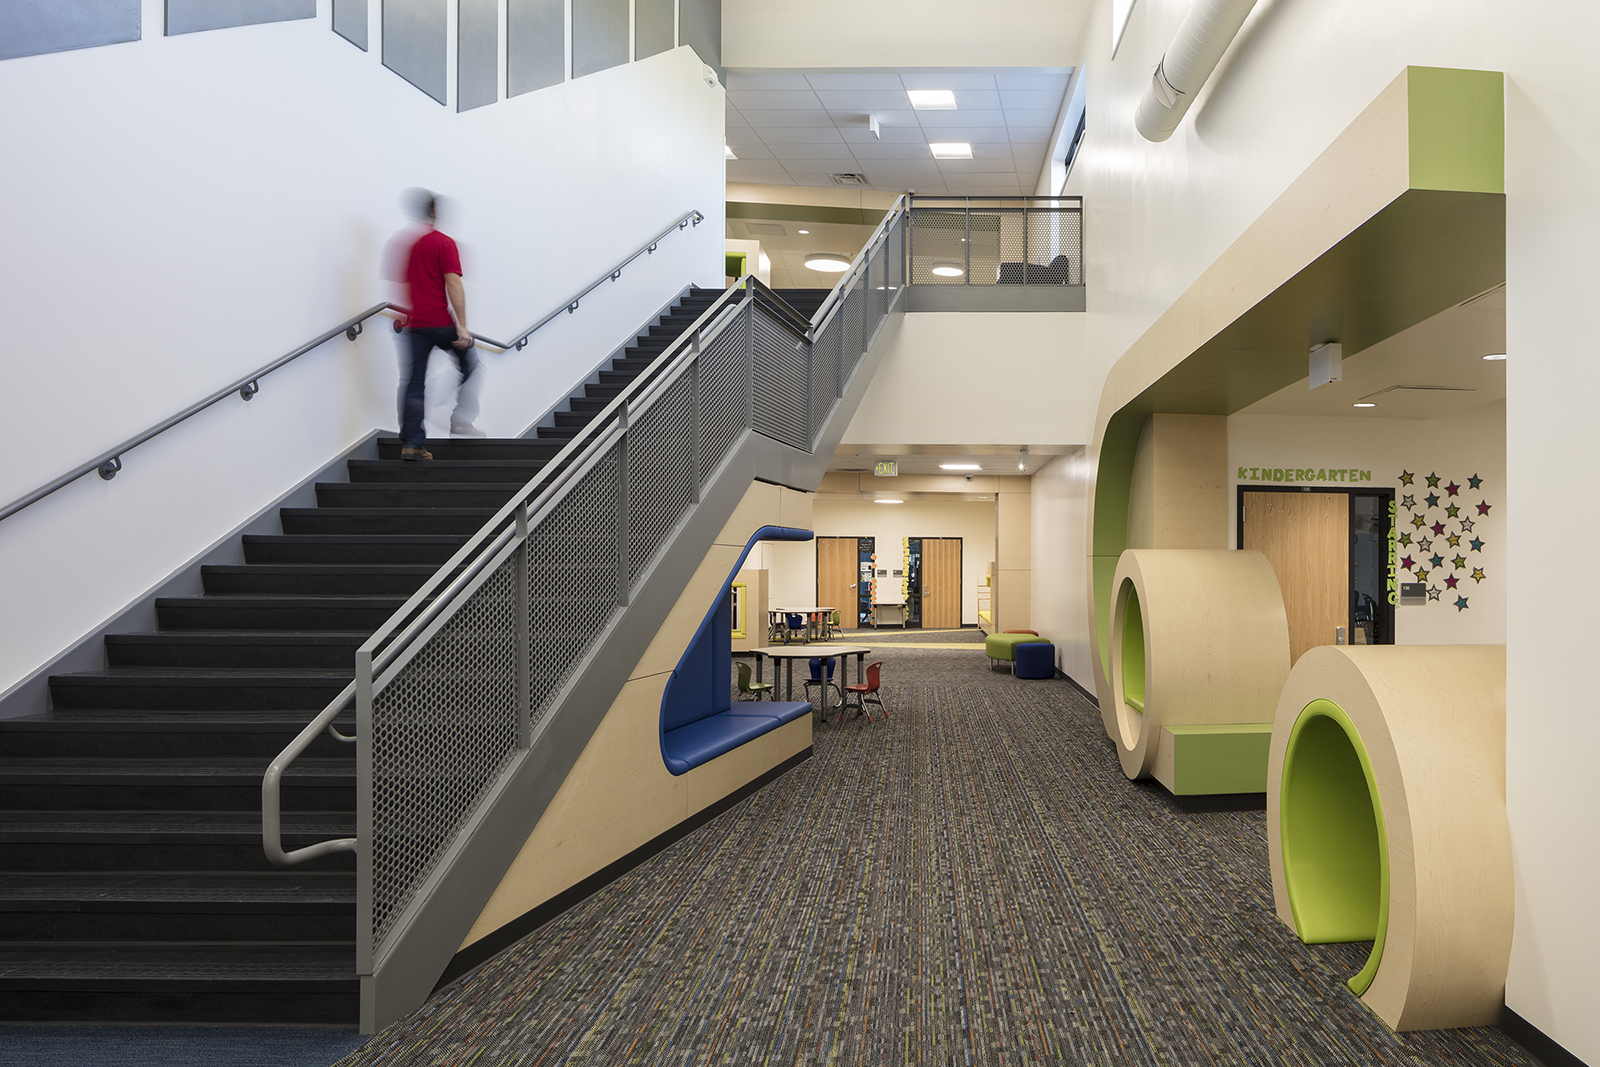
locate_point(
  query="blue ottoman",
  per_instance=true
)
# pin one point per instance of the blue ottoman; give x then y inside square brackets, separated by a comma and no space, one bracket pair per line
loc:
[1036,659]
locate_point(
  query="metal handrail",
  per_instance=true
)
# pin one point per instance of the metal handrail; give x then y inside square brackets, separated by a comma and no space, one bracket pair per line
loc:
[107,464]
[515,518]
[900,207]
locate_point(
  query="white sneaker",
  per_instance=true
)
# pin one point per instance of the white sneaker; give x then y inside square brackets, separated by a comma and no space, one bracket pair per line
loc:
[466,431]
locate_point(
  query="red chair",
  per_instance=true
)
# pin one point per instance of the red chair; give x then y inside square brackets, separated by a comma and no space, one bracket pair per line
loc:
[865,694]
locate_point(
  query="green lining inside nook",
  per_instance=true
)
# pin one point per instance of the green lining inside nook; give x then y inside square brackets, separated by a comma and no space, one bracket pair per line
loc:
[1132,649]
[1330,825]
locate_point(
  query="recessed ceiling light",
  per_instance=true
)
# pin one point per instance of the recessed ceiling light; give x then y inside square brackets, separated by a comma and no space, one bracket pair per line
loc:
[960,467]
[827,262]
[802,231]
[948,271]
[888,501]
[1363,405]
[951,150]
[932,99]
[1495,355]
[727,153]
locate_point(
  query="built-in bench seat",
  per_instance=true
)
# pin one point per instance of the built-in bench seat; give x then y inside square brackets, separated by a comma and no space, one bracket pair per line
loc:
[705,739]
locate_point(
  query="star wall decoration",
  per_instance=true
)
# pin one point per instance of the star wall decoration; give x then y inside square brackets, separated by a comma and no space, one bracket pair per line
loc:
[1422,533]
[1438,529]
[1455,540]
[1418,521]
[1458,562]
[1432,499]
[1453,510]
[1406,477]
[1422,575]
[1476,544]
[1461,603]
[1466,525]
[1433,481]
[1433,593]
[1477,574]
[1405,539]
[1408,563]
[1474,481]
[1450,582]
[1424,545]
[1408,501]
[1436,561]
[1483,508]
[1452,489]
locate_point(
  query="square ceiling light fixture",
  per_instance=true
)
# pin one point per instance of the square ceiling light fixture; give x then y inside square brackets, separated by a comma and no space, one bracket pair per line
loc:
[932,99]
[951,150]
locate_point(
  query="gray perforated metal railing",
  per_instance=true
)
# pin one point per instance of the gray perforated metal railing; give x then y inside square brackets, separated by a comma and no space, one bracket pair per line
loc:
[462,678]
[978,240]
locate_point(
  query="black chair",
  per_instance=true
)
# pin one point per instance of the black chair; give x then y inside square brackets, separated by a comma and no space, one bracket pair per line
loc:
[1012,274]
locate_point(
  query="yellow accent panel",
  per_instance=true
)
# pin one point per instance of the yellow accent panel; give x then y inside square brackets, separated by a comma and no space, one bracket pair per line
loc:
[1457,122]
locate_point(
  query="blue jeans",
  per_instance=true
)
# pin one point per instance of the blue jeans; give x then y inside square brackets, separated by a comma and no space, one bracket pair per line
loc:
[420,343]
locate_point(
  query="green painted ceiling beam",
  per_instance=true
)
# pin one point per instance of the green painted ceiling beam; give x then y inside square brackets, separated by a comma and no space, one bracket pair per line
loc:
[838,216]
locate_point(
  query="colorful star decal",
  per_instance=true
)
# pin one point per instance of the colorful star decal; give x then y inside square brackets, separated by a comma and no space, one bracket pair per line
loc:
[1422,575]
[1483,508]
[1477,574]
[1436,561]
[1461,603]
[1455,540]
[1418,521]
[1432,499]
[1438,529]
[1424,544]
[1452,489]
[1453,510]
[1458,562]
[1433,481]
[1408,563]
[1405,539]
[1466,525]
[1474,481]
[1433,593]
[1450,582]
[1408,501]
[1476,544]
[1405,477]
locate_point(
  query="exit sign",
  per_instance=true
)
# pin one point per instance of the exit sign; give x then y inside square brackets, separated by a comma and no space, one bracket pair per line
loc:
[886,468]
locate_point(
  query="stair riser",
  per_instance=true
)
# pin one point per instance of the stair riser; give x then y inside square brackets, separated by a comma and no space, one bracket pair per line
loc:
[606,391]
[558,433]
[220,697]
[340,656]
[352,521]
[201,616]
[574,419]
[399,495]
[433,473]
[392,555]
[105,741]
[243,856]
[611,377]
[522,450]
[177,923]
[154,796]
[265,583]
[196,1005]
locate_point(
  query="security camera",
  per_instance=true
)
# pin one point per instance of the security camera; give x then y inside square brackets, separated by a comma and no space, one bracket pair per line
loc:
[969,477]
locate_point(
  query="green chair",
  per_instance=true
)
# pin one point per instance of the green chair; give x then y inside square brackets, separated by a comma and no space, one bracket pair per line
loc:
[747,686]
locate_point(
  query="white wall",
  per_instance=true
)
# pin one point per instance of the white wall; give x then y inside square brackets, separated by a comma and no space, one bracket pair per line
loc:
[1157,215]
[991,378]
[182,210]
[794,564]
[1455,447]
[1060,594]
[900,33]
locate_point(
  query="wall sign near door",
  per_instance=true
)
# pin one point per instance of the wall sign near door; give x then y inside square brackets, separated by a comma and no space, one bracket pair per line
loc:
[1292,475]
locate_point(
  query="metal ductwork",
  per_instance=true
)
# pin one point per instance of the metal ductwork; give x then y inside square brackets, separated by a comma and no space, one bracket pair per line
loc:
[1207,31]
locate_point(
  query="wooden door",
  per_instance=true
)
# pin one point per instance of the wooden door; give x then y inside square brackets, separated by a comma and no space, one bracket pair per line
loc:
[941,583]
[1306,536]
[837,574]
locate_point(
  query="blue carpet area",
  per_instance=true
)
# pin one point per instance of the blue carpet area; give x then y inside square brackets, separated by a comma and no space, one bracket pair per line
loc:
[174,1046]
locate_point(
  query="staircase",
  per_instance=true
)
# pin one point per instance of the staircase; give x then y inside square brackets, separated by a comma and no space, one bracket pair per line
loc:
[134,887]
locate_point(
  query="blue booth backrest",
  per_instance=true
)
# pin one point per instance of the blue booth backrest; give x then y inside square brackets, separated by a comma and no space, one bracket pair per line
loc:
[701,686]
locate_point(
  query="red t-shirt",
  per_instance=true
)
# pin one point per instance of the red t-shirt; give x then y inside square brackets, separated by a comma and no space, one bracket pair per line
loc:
[431,258]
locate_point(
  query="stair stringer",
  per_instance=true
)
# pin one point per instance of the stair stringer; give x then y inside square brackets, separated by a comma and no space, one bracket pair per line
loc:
[446,907]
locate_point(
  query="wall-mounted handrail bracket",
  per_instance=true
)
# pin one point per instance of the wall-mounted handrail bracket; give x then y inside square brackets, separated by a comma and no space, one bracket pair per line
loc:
[572,307]
[616,274]
[249,389]
[108,470]
[355,331]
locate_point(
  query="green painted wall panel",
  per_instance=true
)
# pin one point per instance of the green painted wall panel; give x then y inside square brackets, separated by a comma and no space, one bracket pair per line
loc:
[1456,129]
[1226,758]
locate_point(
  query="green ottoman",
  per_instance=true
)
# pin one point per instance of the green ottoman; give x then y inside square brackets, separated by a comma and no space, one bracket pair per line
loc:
[1003,647]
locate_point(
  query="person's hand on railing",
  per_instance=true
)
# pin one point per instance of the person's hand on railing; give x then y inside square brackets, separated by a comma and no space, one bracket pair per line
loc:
[463,338]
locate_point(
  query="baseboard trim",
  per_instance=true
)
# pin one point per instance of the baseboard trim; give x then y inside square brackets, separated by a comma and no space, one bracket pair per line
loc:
[1537,1042]
[1090,697]
[493,944]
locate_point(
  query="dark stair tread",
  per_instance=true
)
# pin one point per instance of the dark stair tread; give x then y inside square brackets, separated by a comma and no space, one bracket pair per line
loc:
[394,513]
[179,891]
[424,570]
[209,720]
[206,676]
[240,637]
[281,600]
[75,770]
[169,826]
[176,965]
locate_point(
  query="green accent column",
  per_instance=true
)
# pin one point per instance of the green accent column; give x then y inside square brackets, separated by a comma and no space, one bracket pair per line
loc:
[1456,127]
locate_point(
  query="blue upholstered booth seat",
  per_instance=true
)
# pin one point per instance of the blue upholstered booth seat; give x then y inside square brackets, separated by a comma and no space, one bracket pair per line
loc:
[705,739]
[785,711]
[1036,659]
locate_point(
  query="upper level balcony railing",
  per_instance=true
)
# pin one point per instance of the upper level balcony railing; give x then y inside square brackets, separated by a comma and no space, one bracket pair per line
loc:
[971,253]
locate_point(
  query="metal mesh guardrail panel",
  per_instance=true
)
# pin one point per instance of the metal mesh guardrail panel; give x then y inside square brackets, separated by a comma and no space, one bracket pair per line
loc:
[824,375]
[660,473]
[724,394]
[996,241]
[573,590]
[441,731]
[938,247]
[854,315]
[895,261]
[1055,246]
[780,391]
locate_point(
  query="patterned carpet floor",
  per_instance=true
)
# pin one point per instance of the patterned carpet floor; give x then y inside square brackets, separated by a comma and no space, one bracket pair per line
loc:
[970,882]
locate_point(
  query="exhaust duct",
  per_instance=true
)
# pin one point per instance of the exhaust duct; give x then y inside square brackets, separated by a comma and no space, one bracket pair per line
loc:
[1207,31]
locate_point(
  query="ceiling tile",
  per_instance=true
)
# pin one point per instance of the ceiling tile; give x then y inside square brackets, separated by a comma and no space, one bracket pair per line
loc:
[860,134]
[763,120]
[981,150]
[748,150]
[970,134]
[845,79]
[1013,99]
[940,120]
[1030,117]
[765,100]
[970,80]
[977,100]
[1045,83]
[801,135]
[871,150]
[813,151]
[732,120]
[736,81]
[760,171]
[906,119]
[863,99]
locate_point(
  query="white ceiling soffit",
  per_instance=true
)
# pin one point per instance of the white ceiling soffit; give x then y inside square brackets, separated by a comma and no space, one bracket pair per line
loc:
[992,460]
[800,127]
[1434,368]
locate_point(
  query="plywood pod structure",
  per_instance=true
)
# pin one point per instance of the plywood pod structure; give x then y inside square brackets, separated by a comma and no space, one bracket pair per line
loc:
[1386,821]
[1198,637]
